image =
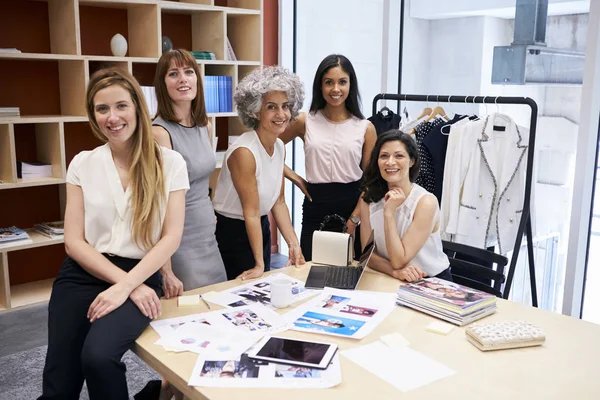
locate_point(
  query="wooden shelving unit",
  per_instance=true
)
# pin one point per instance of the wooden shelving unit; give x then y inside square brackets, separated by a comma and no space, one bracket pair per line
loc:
[62,43]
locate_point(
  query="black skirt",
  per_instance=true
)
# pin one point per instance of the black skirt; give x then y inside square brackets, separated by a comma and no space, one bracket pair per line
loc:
[328,199]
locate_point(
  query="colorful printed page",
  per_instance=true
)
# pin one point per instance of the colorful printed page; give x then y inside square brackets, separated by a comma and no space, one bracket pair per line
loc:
[258,292]
[347,313]
[203,339]
[243,372]
[254,319]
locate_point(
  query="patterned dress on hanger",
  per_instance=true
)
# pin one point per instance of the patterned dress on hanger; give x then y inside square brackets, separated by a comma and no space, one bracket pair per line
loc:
[426,178]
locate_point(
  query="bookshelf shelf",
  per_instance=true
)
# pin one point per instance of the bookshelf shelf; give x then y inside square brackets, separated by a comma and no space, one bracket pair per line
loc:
[37,240]
[30,182]
[62,43]
[31,293]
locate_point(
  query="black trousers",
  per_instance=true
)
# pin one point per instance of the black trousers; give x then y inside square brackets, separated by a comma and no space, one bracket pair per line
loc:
[445,275]
[327,199]
[78,349]
[234,244]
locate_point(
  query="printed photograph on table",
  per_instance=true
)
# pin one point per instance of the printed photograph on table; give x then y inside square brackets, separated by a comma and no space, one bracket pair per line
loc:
[357,310]
[290,371]
[328,323]
[247,319]
[335,302]
[230,369]
[253,296]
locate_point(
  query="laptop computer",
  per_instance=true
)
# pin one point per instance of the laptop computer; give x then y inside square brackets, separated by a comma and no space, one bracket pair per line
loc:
[340,277]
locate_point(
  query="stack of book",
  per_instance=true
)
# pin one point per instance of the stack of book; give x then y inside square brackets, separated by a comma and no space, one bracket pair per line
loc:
[53,230]
[217,94]
[10,111]
[12,234]
[203,55]
[446,300]
[33,170]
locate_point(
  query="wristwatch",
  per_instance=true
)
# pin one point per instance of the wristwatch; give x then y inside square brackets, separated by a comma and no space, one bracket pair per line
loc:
[355,219]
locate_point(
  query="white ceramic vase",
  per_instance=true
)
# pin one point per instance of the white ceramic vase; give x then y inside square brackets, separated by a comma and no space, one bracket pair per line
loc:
[118,45]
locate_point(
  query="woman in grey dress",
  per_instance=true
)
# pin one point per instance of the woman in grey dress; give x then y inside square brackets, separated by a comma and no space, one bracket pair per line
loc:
[182,124]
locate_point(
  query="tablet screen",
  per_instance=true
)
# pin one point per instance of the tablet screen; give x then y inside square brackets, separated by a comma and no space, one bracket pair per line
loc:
[294,350]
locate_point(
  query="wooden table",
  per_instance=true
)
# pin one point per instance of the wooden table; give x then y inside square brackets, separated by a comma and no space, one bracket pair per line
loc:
[567,366]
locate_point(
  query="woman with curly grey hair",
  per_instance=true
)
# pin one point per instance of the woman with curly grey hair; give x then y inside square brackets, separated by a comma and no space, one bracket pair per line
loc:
[250,184]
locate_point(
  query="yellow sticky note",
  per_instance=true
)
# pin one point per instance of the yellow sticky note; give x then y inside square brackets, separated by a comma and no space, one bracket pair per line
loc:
[191,300]
[395,340]
[439,328]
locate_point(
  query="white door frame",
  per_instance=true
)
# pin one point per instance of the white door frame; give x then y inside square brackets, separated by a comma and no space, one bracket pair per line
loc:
[587,145]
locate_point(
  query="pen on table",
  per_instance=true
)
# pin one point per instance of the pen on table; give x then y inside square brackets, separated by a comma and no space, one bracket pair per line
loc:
[205,302]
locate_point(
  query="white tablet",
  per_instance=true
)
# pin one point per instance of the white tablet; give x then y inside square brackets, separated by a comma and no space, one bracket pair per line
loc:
[293,351]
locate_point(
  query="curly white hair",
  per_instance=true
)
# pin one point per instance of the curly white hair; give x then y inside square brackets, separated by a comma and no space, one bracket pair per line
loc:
[250,91]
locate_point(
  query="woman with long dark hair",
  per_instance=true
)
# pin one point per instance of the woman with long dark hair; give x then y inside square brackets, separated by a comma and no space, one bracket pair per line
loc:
[337,145]
[404,216]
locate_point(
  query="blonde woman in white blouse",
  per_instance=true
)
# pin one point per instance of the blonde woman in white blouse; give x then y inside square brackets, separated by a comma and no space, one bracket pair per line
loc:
[123,221]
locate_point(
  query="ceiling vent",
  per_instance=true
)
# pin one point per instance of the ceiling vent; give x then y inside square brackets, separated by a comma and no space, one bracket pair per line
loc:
[528,60]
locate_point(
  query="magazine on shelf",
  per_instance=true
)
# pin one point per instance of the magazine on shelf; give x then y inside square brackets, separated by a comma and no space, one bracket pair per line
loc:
[53,230]
[12,234]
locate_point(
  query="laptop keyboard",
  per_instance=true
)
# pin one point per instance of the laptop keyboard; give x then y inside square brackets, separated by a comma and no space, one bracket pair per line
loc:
[342,277]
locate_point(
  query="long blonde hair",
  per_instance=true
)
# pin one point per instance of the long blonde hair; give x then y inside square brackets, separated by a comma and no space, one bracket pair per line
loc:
[146,175]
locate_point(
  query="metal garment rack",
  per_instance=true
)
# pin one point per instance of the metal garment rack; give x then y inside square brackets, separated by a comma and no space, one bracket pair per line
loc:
[525,223]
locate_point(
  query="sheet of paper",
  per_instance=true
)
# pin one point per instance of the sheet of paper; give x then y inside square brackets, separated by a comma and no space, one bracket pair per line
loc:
[394,340]
[165,327]
[403,368]
[440,328]
[222,298]
[347,313]
[246,373]
[254,319]
[210,342]
[259,292]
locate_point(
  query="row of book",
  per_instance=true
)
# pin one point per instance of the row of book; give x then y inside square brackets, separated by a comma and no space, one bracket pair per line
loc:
[446,300]
[217,94]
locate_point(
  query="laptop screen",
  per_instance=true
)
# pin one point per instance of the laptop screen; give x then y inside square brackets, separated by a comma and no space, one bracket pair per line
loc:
[366,254]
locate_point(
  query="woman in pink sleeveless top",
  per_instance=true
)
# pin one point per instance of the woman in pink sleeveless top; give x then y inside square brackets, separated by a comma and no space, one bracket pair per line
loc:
[337,144]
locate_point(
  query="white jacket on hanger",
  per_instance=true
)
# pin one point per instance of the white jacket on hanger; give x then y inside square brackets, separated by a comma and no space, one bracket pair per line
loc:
[484,183]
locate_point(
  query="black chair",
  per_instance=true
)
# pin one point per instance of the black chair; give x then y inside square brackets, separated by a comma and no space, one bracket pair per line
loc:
[467,269]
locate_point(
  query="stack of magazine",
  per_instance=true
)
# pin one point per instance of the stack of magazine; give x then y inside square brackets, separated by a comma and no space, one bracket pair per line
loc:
[446,300]
[53,230]
[12,234]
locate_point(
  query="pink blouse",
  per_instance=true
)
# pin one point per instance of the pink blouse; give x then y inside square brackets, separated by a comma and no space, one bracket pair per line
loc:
[333,151]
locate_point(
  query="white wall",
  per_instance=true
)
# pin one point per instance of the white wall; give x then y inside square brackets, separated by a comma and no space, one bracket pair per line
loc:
[365,31]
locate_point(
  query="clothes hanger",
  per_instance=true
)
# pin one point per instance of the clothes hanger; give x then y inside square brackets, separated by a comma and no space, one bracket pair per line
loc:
[426,111]
[438,110]
[501,121]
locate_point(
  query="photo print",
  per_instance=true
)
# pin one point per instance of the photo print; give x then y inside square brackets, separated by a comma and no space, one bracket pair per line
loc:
[327,323]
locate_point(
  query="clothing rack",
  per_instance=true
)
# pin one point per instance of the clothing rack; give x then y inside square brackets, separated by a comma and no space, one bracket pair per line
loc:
[525,223]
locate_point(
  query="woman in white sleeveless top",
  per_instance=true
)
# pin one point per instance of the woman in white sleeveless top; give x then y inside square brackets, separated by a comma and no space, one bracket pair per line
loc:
[337,144]
[250,183]
[404,216]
